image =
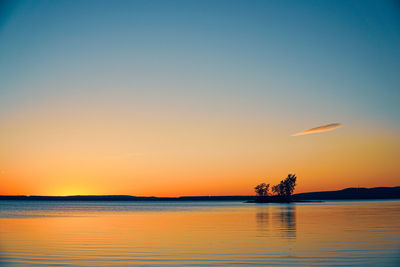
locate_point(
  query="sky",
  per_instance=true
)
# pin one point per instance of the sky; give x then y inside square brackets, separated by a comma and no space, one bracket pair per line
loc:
[172,98]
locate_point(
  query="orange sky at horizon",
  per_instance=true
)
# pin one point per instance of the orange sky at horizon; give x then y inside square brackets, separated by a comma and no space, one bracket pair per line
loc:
[82,157]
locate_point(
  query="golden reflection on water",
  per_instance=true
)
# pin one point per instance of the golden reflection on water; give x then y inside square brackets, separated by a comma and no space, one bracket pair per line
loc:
[283,220]
[247,234]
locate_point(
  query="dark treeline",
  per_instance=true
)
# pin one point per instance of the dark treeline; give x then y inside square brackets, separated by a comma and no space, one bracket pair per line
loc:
[282,192]
[348,193]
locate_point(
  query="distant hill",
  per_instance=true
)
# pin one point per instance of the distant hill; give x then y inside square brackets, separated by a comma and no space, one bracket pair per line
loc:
[352,193]
[348,193]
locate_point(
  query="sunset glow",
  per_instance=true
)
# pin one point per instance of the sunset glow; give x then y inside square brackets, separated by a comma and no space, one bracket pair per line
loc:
[169,100]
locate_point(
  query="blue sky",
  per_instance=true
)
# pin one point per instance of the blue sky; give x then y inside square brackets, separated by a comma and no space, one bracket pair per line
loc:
[339,58]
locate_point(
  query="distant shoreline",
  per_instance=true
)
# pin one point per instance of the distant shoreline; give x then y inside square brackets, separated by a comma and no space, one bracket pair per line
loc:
[267,200]
[344,194]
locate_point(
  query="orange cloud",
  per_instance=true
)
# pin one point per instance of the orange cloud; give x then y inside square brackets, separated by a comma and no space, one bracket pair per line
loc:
[319,129]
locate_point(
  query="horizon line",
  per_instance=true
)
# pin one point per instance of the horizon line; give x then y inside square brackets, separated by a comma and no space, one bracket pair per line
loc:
[204,196]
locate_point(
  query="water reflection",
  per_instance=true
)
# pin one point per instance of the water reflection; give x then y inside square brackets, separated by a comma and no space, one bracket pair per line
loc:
[280,219]
[262,218]
[330,234]
[287,217]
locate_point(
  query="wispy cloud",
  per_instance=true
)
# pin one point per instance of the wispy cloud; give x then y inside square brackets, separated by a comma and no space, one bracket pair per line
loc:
[319,129]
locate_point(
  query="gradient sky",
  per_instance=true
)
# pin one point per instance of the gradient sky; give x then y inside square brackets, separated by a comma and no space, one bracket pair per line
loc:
[172,98]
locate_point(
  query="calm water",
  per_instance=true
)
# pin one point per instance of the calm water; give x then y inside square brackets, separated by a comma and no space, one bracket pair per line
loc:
[199,233]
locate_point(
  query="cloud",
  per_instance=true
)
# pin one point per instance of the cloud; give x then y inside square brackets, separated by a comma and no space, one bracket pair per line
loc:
[319,129]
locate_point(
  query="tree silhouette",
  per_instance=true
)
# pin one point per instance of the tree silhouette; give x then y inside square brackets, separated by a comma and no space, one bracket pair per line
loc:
[282,191]
[286,187]
[279,189]
[290,184]
[262,189]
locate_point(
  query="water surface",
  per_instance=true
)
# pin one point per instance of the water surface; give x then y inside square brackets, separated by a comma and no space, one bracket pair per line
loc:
[70,233]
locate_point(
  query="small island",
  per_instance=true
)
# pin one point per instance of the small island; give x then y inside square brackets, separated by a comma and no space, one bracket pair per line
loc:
[281,193]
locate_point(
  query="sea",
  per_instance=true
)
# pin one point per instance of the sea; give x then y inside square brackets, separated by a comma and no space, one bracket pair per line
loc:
[199,233]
